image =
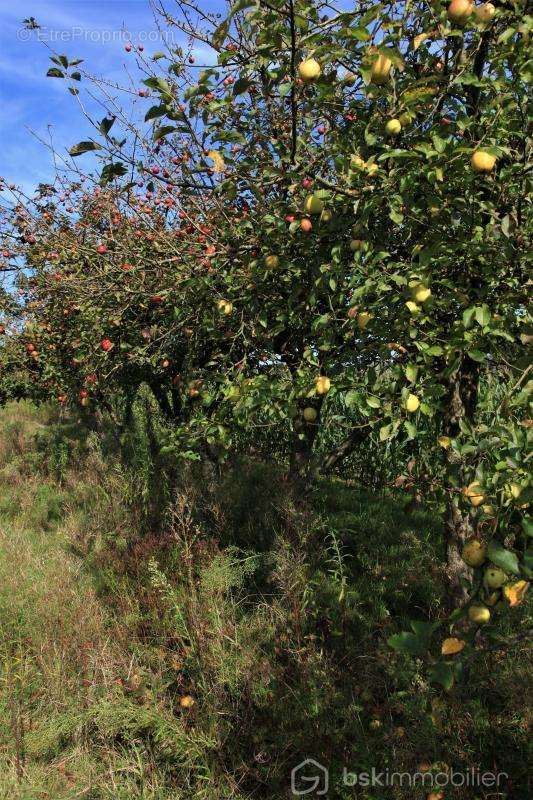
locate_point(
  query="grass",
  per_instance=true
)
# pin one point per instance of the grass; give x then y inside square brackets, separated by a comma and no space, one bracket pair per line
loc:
[270,612]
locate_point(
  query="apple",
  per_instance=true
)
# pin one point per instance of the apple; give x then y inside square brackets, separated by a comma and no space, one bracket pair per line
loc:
[393,127]
[313,204]
[485,12]
[460,10]
[85,401]
[412,403]
[381,68]
[413,307]
[421,293]
[271,261]
[474,493]
[83,393]
[356,162]
[356,245]
[310,414]
[30,348]
[225,307]
[494,577]
[101,249]
[474,553]
[309,70]
[478,614]
[363,318]
[106,345]
[482,161]
[444,441]
[306,225]
[326,216]
[323,384]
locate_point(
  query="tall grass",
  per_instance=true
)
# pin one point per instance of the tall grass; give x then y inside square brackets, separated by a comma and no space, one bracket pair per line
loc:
[164,637]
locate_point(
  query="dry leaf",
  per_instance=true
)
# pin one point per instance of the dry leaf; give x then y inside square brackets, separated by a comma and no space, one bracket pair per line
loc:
[515,592]
[417,41]
[217,160]
[452,646]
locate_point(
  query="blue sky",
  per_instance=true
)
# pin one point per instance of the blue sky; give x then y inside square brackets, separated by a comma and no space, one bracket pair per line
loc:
[88,29]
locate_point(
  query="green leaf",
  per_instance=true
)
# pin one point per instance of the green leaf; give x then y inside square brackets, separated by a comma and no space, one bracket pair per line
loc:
[505,559]
[411,372]
[110,171]
[477,355]
[411,430]
[106,125]
[154,112]
[54,72]
[406,642]
[482,314]
[442,673]
[373,401]
[84,147]
[163,131]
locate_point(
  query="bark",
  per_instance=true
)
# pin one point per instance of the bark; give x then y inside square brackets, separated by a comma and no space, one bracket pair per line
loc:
[337,456]
[302,452]
[461,406]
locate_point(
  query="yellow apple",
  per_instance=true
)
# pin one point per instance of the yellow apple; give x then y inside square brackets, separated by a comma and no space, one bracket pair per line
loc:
[413,307]
[393,127]
[356,162]
[309,69]
[313,204]
[478,614]
[485,12]
[421,293]
[326,216]
[357,244]
[412,403]
[444,441]
[494,577]
[474,553]
[323,384]
[460,10]
[380,70]
[482,161]
[225,307]
[271,262]
[363,318]
[310,414]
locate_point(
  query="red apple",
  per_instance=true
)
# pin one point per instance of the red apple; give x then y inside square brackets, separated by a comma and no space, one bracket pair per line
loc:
[106,345]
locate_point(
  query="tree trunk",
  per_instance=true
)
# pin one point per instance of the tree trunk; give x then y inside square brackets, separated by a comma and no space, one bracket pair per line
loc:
[460,407]
[457,529]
